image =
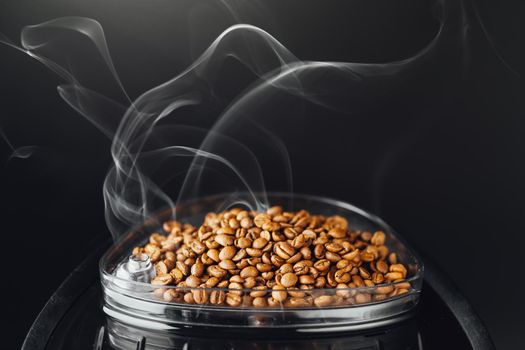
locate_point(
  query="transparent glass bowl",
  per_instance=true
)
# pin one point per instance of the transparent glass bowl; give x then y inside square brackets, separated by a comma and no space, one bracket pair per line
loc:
[138,303]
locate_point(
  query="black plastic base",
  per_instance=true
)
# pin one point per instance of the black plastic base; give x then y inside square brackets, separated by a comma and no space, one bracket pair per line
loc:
[73,319]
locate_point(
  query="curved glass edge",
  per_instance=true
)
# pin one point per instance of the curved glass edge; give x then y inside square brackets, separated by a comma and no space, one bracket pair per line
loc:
[145,291]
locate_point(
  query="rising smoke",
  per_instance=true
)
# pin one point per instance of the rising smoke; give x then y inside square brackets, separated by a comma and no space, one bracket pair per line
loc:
[148,142]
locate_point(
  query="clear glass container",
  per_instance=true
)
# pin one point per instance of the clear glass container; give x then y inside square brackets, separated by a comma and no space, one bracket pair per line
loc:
[137,303]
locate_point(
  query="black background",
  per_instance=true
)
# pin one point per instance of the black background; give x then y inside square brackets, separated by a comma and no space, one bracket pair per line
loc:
[441,157]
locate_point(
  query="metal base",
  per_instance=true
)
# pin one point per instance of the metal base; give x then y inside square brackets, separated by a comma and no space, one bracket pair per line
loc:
[73,320]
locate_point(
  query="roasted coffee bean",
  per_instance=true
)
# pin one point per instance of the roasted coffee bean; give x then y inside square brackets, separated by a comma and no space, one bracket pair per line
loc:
[352,255]
[394,276]
[260,302]
[161,268]
[404,285]
[398,268]
[249,271]
[378,278]
[271,226]
[366,236]
[241,254]
[250,282]
[288,279]
[162,280]
[364,273]
[193,281]
[285,268]
[379,297]
[170,294]
[337,232]
[200,296]
[330,278]
[263,267]
[302,267]
[361,298]
[378,238]
[306,253]
[344,264]
[344,291]
[225,231]
[197,269]
[214,255]
[198,247]
[217,297]
[295,258]
[227,265]
[254,252]
[322,265]
[222,284]
[188,298]
[320,282]
[216,271]
[177,275]
[383,252]
[261,219]
[155,255]
[319,251]
[243,242]
[342,276]
[367,256]
[384,289]
[169,255]
[333,247]
[234,286]
[211,282]
[279,293]
[299,241]
[275,210]
[227,253]
[333,257]
[276,260]
[323,300]
[294,292]
[259,291]
[236,278]
[185,269]
[233,299]
[268,275]
[297,302]
[381,266]
[242,264]
[314,272]
[306,279]
[392,258]
[358,281]
[283,250]
[224,240]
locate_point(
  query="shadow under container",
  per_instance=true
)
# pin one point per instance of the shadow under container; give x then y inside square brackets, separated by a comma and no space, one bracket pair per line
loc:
[308,311]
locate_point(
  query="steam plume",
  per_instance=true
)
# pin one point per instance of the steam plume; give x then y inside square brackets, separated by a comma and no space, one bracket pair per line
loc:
[145,132]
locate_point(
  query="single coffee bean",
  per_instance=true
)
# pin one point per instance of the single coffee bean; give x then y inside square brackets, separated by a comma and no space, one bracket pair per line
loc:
[289,279]
[193,281]
[162,280]
[227,253]
[249,271]
[217,297]
[279,293]
[323,300]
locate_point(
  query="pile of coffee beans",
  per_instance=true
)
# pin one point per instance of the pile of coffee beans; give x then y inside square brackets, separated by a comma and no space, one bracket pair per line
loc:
[273,259]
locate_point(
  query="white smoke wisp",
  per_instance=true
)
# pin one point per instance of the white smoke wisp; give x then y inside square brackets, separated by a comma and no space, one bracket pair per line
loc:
[140,129]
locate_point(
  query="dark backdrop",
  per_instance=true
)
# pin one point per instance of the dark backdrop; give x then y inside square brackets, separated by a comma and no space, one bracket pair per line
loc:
[441,158]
